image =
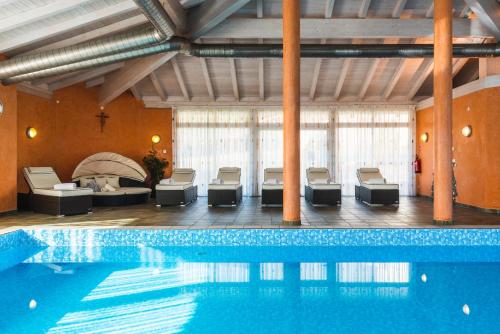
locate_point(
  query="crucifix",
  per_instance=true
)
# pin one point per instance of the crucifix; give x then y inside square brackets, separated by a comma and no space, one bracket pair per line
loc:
[102,119]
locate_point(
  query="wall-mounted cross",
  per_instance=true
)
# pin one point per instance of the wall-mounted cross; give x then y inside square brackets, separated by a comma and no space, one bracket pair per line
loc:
[102,119]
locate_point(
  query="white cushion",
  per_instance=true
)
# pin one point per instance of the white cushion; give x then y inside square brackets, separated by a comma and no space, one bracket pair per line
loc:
[375,181]
[167,181]
[41,177]
[380,186]
[101,181]
[176,186]
[223,186]
[64,193]
[320,181]
[110,193]
[65,186]
[229,175]
[183,175]
[273,173]
[113,181]
[267,186]
[365,174]
[217,181]
[135,190]
[330,186]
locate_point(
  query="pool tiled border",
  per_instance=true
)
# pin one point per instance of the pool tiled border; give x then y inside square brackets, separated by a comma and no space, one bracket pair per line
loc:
[252,237]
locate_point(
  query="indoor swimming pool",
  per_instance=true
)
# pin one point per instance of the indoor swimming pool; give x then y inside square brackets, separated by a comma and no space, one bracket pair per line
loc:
[250,281]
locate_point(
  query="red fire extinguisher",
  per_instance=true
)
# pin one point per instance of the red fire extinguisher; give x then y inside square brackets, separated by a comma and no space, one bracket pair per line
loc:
[417,165]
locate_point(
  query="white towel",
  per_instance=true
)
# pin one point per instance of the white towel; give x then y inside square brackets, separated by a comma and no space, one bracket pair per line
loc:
[65,186]
[167,181]
[217,181]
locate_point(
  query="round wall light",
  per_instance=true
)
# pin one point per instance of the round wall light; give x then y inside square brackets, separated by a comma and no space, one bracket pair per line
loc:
[424,137]
[31,132]
[467,131]
[155,139]
[1,108]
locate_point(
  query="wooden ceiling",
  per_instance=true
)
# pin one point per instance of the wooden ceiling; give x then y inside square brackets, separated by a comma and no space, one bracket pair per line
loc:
[28,26]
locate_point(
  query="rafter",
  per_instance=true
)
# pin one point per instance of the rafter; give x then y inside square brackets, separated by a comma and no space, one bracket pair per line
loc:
[95,82]
[100,32]
[458,65]
[330,4]
[42,92]
[87,75]
[262,87]
[368,79]
[37,13]
[398,9]
[343,74]
[180,78]
[134,71]
[363,11]
[210,14]
[136,93]
[430,10]
[342,28]
[177,14]
[314,83]
[158,86]
[234,79]
[488,12]
[208,80]
[260,9]
[418,80]
[394,79]
[50,30]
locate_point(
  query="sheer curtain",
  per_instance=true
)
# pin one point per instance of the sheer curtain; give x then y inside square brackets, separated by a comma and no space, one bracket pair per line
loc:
[375,136]
[207,139]
[342,139]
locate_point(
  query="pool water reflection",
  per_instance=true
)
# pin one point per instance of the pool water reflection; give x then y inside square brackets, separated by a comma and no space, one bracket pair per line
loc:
[251,290]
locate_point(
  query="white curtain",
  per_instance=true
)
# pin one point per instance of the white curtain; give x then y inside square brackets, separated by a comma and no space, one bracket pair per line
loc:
[343,140]
[382,137]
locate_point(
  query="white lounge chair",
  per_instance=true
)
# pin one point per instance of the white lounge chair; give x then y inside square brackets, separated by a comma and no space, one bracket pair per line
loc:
[179,189]
[320,190]
[45,199]
[272,188]
[374,189]
[228,189]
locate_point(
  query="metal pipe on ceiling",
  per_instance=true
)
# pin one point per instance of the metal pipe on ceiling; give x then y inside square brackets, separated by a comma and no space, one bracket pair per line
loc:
[102,47]
[267,51]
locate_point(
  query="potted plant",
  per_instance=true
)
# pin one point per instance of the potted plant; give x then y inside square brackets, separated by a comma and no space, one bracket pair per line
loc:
[156,167]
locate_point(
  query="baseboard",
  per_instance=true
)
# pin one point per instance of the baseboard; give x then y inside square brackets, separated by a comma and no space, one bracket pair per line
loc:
[468,206]
[8,213]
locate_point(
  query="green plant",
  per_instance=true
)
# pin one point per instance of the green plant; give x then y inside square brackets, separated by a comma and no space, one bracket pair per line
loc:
[155,166]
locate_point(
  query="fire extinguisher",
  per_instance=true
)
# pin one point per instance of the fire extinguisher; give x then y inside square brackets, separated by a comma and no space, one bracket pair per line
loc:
[417,164]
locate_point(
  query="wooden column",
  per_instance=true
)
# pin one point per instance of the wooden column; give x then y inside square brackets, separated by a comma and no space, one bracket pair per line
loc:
[291,112]
[443,204]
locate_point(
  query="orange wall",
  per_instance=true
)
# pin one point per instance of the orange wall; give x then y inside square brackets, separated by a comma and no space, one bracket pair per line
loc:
[477,158]
[8,148]
[69,131]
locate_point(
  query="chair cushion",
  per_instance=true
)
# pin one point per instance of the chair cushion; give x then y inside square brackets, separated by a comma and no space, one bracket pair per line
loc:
[85,181]
[110,193]
[380,186]
[223,186]
[135,190]
[330,186]
[64,193]
[101,181]
[41,177]
[175,186]
[267,186]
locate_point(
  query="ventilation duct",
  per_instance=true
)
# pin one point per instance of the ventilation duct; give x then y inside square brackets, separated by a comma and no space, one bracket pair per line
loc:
[130,40]
[269,51]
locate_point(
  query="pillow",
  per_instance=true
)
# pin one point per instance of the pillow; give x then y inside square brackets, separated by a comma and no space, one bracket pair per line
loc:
[101,181]
[167,181]
[93,185]
[113,181]
[321,181]
[108,188]
[84,181]
[375,181]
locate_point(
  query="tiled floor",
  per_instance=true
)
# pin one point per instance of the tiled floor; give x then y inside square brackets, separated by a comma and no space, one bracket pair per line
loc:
[412,212]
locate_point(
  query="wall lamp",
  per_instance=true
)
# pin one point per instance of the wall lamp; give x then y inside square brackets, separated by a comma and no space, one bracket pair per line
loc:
[155,139]
[424,137]
[1,108]
[467,131]
[31,132]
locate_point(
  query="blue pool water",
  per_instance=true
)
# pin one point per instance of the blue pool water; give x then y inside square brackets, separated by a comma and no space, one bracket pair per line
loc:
[132,281]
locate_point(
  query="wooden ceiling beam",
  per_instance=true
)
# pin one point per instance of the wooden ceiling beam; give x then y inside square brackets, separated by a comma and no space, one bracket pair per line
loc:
[419,79]
[158,86]
[234,78]
[342,28]
[50,30]
[84,76]
[330,4]
[343,74]
[363,11]
[95,82]
[488,13]
[398,9]
[180,79]
[368,79]
[177,14]
[134,71]
[136,93]
[210,14]
[208,79]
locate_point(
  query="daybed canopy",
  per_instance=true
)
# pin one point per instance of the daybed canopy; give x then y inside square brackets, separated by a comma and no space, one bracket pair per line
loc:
[107,163]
